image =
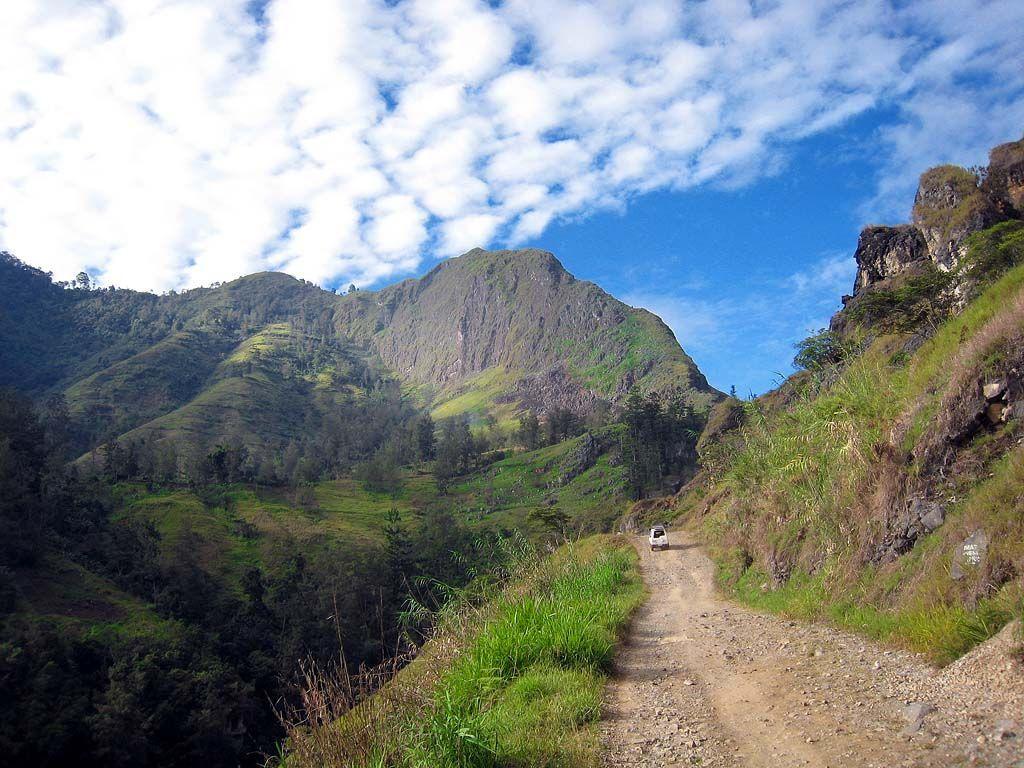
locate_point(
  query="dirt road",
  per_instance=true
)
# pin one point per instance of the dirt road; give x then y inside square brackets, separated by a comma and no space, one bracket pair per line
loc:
[702,681]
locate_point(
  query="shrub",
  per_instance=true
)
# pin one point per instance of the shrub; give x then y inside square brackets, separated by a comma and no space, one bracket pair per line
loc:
[994,251]
[821,351]
[921,302]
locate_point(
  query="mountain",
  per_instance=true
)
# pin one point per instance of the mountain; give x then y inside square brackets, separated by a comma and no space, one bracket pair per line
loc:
[266,359]
[514,328]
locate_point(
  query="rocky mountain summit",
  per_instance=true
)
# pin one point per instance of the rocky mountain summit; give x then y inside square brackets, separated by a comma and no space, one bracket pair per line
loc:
[537,336]
[951,204]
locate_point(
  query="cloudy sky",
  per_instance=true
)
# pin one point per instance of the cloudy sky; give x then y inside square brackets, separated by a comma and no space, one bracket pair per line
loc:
[675,152]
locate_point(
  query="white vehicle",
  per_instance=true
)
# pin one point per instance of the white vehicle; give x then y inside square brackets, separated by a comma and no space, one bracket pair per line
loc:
[659,538]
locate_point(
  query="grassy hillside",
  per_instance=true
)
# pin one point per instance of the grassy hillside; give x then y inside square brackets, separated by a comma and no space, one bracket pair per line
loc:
[856,500]
[513,675]
[259,359]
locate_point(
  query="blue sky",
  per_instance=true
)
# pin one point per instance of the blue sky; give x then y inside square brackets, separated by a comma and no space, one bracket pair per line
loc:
[740,274]
[712,160]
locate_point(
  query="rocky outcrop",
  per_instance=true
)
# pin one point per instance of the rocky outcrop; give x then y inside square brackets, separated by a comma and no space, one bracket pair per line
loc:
[584,455]
[549,390]
[1004,181]
[949,206]
[884,252]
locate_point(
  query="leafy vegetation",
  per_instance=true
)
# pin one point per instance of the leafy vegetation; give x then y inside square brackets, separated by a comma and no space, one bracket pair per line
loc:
[823,351]
[659,439]
[920,302]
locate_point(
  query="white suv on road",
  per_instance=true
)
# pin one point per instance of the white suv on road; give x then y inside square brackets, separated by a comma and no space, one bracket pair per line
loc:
[658,538]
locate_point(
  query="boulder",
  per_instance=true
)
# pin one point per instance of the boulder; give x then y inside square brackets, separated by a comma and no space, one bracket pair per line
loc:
[884,252]
[969,554]
[993,390]
[930,514]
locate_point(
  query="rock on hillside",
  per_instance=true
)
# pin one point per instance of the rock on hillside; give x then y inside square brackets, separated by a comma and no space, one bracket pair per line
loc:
[951,204]
[884,252]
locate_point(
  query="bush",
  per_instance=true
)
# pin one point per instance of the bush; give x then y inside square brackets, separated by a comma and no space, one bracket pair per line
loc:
[921,302]
[994,251]
[822,351]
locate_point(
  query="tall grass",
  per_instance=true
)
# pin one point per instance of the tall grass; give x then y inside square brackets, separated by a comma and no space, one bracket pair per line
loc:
[802,512]
[512,677]
[529,684]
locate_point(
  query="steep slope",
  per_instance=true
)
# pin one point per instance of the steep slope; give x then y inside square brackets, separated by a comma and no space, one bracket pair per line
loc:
[880,488]
[516,327]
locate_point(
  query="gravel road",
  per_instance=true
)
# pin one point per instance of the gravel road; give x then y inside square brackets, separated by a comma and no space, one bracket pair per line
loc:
[703,681]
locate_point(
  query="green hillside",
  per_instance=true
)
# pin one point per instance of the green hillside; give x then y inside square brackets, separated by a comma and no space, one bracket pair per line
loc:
[884,492]
[263,358]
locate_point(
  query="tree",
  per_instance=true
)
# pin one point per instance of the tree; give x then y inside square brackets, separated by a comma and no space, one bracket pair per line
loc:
[454,453]
[426,442]
[660,439]
[732,391]
[528,434]
[551,519]
[398,554]
[561,424]
[83,281]
[822,350]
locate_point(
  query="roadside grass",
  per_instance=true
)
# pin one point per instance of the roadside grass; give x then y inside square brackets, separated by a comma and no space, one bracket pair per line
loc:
[942,632]
[516,681]
[799,513]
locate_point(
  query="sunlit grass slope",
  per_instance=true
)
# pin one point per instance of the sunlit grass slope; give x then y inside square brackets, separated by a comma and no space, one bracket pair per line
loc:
[807,518]
[513,681]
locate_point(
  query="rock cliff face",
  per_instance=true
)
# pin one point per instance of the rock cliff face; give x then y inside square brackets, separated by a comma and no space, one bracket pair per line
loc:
[884,252]
[1004,182]
[951,204]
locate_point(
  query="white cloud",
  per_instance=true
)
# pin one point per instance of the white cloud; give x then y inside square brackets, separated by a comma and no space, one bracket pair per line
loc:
[165,143]
[460,235]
